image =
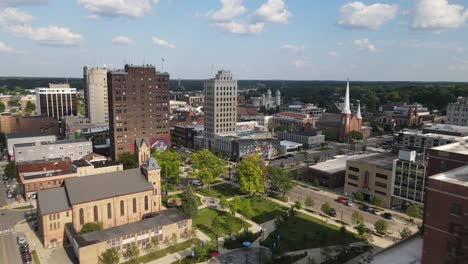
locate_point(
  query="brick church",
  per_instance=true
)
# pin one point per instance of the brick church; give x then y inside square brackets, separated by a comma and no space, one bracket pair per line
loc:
[341,124]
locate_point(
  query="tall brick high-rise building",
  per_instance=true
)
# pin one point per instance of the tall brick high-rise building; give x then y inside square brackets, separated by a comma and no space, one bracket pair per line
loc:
[138,108]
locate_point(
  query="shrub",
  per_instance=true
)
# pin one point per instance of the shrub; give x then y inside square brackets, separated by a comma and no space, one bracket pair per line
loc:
[298,205]
[91,227]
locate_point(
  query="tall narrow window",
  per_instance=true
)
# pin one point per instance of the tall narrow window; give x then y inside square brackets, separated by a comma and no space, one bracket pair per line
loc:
[109,210]
[122,208]
[81,216]
[95,214]
[134,205]
[146,202]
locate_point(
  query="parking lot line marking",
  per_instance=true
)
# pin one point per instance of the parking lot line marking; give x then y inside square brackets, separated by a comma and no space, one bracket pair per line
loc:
[4,253]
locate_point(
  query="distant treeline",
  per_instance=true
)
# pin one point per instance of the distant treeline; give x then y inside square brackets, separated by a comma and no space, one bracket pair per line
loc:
[435,95]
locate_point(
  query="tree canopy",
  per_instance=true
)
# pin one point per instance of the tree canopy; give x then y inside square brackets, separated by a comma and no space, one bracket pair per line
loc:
[127,159]
[29,108]
[10,170]
[110,256]
[413,211]
[381,225]
[280,180]
[189,202]
[250,174]
[170,162]
[207,166]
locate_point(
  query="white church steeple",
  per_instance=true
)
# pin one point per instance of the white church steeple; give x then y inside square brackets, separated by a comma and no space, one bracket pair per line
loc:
[358,113]
[346,109]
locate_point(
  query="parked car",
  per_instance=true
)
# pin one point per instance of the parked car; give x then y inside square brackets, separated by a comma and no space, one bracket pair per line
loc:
[348,203]
[24,248]
[332,212]
[387,215]
[374,211]
[26,258]
[10,194]
[340,199]
[21,239]
[7,185]
[365,208]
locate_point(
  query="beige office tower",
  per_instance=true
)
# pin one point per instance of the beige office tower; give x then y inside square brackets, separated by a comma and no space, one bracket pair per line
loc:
[220,109]
[95,91]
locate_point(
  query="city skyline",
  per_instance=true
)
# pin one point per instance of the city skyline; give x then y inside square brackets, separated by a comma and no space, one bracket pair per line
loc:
[420,40]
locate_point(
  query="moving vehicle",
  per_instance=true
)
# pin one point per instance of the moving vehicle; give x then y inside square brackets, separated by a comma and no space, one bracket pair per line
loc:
[332,212]
[387,215]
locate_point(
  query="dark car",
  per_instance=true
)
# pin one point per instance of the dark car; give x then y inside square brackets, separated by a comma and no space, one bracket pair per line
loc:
[24,248]
[387,215]
[26,258]
[365,208]
[332,212]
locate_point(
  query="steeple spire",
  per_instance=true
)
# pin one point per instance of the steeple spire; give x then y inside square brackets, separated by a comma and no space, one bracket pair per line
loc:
[346,109]
[358,113]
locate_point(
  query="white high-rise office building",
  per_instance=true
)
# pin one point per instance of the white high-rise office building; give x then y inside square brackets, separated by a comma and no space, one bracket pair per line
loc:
[95,91]
[57,100]
[220,110]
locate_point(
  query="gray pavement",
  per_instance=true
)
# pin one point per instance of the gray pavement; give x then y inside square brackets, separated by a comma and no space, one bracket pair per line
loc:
[9,249]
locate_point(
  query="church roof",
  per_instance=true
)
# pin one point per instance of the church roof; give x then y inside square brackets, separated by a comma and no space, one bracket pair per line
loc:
[330,118]
[140,141]
[152,164]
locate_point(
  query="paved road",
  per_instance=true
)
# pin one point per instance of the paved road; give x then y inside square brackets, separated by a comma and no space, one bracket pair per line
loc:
[344,212]
[9,250]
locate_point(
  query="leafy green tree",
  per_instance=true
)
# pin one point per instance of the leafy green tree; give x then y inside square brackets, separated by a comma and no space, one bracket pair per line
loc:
[405,233]
[355,135]
[298,205]
[359,196]
[247,209]
[110,256]
[127,159]
[376,201]
[364,232]
[381,226]
[235,204]
[189,202]
[170,162]
[223,202]
[2,107]
[250,174]
[413,211]
[91,227]
[14,103]
[10,170]
[357,217]
[315,183]
[132,253]
[330,134]
[217,226]
[30,107]
[326,208]
[206,167]
[280,180]
[309,202]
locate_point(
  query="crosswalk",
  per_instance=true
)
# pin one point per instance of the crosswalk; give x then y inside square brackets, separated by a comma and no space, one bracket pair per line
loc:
[7,231]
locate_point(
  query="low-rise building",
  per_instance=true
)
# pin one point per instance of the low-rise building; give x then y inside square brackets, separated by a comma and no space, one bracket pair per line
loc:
[307,139]
[445,221]
[184,135]
[193,100]
[28,124]
[331,173]
[409,179]
[371,176]
[303,109]
[93,164]
[457,112]
[73,149]
[447,157]
[27,137]
[266,148]
[294,121]
[416,139]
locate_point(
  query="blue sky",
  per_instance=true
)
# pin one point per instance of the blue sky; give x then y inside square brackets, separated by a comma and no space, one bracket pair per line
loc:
[420,40]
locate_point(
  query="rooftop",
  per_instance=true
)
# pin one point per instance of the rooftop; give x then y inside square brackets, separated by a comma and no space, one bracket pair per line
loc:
[404,252]
[304,133]
[58,142]
[381,160]
[293,115]
[447,128]
[44,174]
[338,164]
[160,219]
[457,176]
[102,186]
[457,147]
[29,134]
[52,200]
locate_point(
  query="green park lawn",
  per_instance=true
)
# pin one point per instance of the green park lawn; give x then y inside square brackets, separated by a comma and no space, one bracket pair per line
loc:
[204,219]
[303,232]
[263,209]
[221,190]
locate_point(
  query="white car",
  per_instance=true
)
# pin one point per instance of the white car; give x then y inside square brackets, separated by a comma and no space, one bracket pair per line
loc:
[21,239]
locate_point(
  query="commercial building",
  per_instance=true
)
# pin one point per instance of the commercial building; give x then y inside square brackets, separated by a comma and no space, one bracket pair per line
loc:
[95,94]
[193,100]
[371,176]
[266,148]
[130,196]
[27,137]
[416,139]
[220,109]
[331,173]
[307,139]
[40,150]
[93,164]
[457,112]
[294,121]
[138,108]
[447,157]
[58,100]
[409,179]
[28,124]
[446,217]
[303,109]
[184,135]
[343,122]
[443,129]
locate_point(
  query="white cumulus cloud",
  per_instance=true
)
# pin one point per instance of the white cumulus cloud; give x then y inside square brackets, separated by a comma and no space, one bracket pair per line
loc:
[13,15]
[113,8]
[163,43]
[364,44]
[437,15]
[293,48]
[122,40]
[5,3]
[4,47]
[299,63]
[51,35]
[333,53]
[229,10]
[273,11]
[241,28]
[358,15]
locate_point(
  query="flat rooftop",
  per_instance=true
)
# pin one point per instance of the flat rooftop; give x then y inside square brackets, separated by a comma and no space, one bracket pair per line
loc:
[457,147]
[404,252]
[457,176]
[29,134]
[339,164]
[381,160]
[444,128]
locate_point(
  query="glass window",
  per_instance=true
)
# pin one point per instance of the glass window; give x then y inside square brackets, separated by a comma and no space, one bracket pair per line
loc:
[134,204]
[96,218]
[109,211]
[81,216]
[455,209]
[122,208]
[146,202]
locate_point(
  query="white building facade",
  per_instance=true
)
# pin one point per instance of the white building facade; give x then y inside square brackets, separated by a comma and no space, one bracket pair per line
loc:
[95,93]
[56,102]
[267,100]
